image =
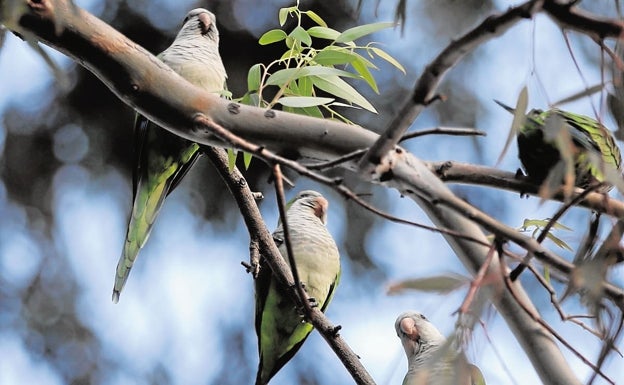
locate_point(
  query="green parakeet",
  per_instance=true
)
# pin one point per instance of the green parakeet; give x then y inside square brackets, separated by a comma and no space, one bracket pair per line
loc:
[280,326]
[539,153]
[161,158]
[430,359]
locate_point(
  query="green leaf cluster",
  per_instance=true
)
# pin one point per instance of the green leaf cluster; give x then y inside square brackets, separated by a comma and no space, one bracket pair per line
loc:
[309,77]
[536,225]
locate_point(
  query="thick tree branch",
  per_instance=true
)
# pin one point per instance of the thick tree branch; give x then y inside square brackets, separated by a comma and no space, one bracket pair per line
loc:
[456,172]
[157,92]
[570,17]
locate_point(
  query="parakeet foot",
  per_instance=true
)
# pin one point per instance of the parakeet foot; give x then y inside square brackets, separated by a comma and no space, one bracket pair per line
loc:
[521,175]
[313,302]
[334,330]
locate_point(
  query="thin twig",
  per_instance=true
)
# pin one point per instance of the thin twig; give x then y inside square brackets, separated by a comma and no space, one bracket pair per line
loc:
[553,332]
[477,281]
[452,131]
[553,300]
[338,161]
[281,205]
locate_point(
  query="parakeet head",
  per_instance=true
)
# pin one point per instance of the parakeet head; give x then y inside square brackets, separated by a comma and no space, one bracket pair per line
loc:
[200,21]
[314,201]
[417,333]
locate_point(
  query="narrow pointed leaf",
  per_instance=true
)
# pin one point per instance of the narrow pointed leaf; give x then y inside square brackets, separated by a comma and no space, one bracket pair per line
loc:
[231,154]
[316,18]
[387,57]
[330,56]
[289,74]
[441,284]
[558,241]
[518,121]
[361,68]
[247,159]
[323,33]
[338,87]
[355,33]
[304,101]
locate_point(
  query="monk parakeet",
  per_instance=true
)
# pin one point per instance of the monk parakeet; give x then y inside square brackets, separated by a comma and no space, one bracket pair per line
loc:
[431,360]
[593,147]
[161,158]
[280,326]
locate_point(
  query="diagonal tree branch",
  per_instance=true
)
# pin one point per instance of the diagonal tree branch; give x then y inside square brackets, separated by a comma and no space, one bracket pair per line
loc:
[568,16]
[457,172]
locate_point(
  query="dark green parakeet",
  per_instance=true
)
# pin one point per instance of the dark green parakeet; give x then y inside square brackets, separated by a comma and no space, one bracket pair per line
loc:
[430,359]
[280,326]
[161,158]
[593,147]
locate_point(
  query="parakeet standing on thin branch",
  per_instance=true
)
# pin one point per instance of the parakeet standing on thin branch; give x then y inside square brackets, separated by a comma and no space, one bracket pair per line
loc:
[280,326]
[593,148]
[431,359]
[162,159]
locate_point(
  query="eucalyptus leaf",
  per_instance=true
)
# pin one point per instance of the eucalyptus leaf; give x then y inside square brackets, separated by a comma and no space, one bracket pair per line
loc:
[355,33]
[316,18]
[304,101]
[323,33]
[338,87]
[301,35]
[272,36]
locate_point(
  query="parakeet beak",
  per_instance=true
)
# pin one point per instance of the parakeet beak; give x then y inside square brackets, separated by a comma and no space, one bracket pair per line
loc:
[511,110]
[205,23]
[408,327]
[320,209]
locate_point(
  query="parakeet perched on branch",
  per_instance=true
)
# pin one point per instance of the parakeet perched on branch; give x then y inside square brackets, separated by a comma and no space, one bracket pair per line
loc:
[430,359]
[280,326]
[161,158]
[542,149]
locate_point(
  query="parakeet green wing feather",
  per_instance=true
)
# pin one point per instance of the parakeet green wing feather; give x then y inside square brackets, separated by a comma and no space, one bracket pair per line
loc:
[161,158]
[541,156]
[280,326]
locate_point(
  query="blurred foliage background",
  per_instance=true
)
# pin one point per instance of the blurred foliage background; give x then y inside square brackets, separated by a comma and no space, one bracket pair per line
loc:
[187,313]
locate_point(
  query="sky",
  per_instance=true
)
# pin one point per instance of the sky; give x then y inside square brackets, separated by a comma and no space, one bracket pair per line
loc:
[169,314]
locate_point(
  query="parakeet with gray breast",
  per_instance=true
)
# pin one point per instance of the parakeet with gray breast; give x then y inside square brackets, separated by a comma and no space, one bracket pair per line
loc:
[280,325]
[162,159]
[430,359]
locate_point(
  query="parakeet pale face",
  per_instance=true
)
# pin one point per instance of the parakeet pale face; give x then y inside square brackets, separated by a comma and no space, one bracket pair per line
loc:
[280,326]
[430,359]
[539,153]
[162,159]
